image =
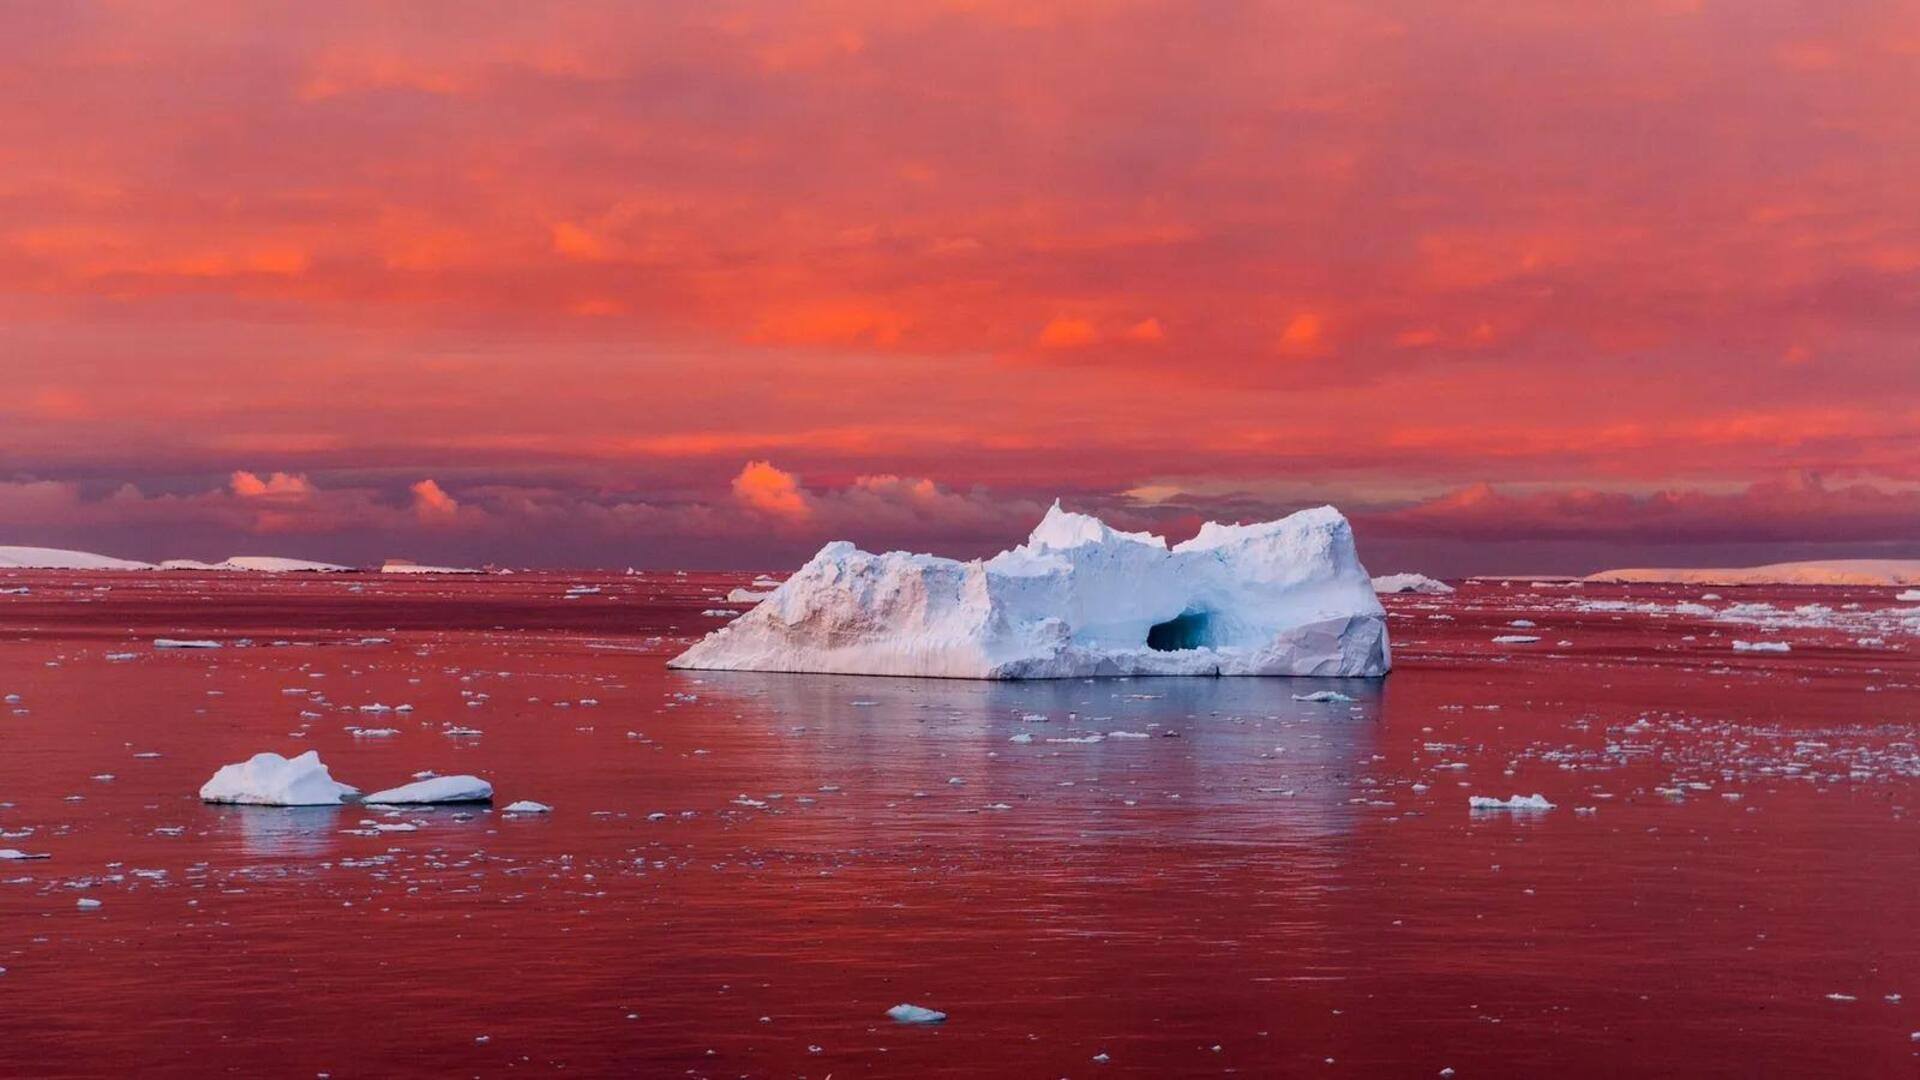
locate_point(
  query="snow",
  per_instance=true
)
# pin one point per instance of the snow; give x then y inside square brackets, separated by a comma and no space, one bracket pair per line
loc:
[1517,802]
[1078,599]
[439,789]
[39,558]
[262,564]
[528,806]
[267,779]
[1413,583]
[402,566]
[915,1014]
[1818,572]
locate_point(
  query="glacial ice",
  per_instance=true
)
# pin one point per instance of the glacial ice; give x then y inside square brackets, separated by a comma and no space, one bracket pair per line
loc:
[1078,599]
[1413,583]
[438,789]
[267,779]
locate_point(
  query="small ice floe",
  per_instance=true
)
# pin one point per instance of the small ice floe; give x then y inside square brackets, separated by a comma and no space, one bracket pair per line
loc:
[1023,737]
[271,780]
[439,789]
[86,903]
[1522,624]
[1325,696]
[16,854]
[1910,595]
[463,732]
[1516,802]
[1841,997]
[915,1014]
[527,806]
[375,732]
[181,643]
[1761,646]
[1128,735]
[1516,639]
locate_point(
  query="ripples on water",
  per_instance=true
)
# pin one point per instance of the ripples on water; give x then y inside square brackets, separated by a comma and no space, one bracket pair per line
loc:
[743,872]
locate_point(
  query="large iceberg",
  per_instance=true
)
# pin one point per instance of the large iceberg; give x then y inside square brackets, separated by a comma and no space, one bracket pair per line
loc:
[1078,599]
[39,558]
[271,780]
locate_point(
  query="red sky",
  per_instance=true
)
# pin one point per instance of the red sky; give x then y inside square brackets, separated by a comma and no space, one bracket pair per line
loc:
[1520,286]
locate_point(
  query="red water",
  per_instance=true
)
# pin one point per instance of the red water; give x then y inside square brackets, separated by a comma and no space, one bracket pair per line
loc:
[1283,889]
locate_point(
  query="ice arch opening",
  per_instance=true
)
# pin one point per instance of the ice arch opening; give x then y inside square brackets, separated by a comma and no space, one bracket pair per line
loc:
[1188,630]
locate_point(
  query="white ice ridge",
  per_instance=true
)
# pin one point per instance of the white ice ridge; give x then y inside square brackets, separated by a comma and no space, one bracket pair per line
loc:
[1078,599]
[1416,583]
[271,780]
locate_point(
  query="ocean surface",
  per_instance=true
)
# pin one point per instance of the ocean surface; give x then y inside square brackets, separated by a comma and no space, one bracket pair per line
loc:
[741,873]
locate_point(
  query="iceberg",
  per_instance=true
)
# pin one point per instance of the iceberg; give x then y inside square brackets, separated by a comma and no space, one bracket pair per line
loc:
[1078,599]
[259,564]
[402,566]
[438,789]
[39,558]
[1414,583]
[1884,572]
[915,1014]
[271,780]
[1516,802]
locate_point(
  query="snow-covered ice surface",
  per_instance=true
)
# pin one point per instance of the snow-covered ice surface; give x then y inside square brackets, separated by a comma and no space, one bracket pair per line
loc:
[268,779]
[1078,599]
[1189,877]
[1410,583]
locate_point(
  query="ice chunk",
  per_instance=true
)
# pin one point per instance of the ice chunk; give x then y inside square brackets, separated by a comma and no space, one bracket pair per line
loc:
[271,780]
[15,853]
[914,1014]
[1323,696]
[177,643]
[1413,583]
[1516,639]
[402,566]
[439,789]
[527,806]
[1078,599]
[1761,646]
[1517,802]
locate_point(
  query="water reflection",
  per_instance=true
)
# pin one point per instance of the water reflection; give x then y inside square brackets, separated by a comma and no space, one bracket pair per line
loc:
[282,831]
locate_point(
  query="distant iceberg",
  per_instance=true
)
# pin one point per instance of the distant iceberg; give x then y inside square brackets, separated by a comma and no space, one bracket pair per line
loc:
[1893,572]
[259,564]
[1078,599]
[1414,583]
[402,566]
[38,558]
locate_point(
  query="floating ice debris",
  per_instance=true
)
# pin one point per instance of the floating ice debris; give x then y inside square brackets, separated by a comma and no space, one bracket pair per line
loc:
[463,732]
[1517,802]
[268,779]
[1323,696]
[1522,624]
[402,566]
[1410,583]
[527,806]
[1910,595]
[1762,646]
[86,903]
[8,853]
[439,789]
[748,596]
[176,643]
[1515,639]
[1023,737]
[1078,599]
[375,732]
[914,1014]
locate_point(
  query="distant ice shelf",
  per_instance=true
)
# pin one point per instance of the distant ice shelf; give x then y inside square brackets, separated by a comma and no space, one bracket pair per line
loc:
[1078,599]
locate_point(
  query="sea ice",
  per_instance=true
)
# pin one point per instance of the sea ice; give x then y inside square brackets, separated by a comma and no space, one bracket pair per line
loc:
[267,779]
[1761,646]
[527,806]
[1078,599]
[36,558]
[914,1014]
[176,643]
[439,789]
